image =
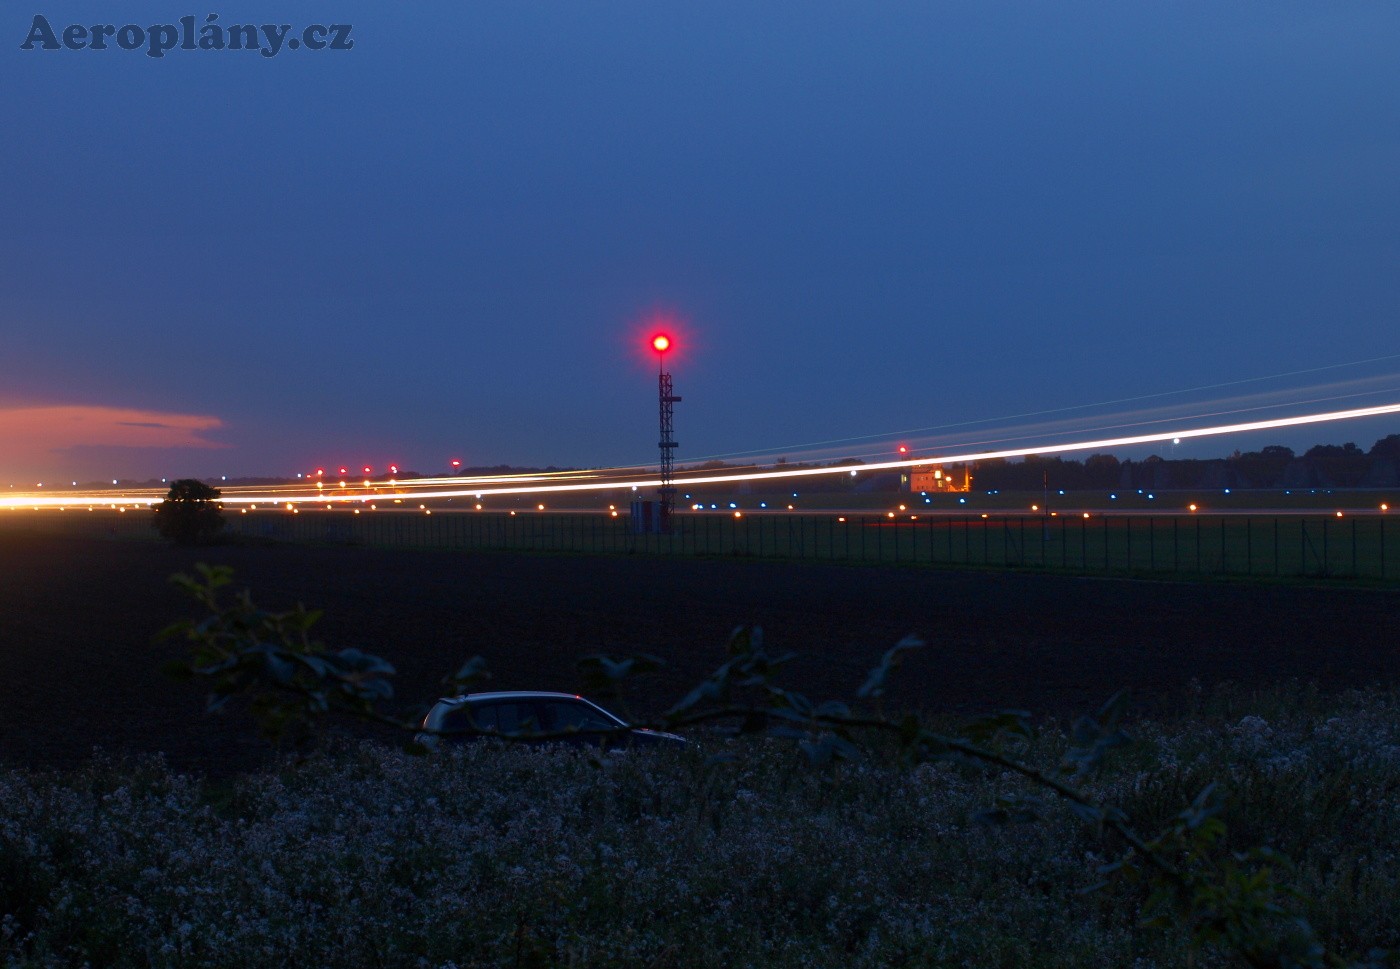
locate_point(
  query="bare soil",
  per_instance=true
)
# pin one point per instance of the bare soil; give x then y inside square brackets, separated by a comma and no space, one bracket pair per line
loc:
[79,668]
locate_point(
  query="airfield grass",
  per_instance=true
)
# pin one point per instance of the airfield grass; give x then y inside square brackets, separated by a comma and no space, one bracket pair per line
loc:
[495,856]
[1339,544]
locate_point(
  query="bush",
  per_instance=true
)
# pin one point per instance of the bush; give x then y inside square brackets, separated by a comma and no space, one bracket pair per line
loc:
[190,514]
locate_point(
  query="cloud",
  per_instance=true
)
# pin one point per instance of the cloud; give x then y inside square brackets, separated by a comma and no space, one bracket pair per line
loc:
[28,434]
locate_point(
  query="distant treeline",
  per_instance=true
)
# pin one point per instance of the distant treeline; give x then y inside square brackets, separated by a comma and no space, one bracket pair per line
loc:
[1323,466]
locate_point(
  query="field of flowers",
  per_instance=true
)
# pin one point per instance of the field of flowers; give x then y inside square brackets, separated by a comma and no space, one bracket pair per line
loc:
[496,856]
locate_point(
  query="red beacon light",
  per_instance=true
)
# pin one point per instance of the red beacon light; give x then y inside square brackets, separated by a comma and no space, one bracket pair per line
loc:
[344,470]
[456,463]
[661,343]
[903,449]
[368,469]
[393,469]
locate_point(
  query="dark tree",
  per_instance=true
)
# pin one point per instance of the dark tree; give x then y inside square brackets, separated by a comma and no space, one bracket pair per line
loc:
[190,514]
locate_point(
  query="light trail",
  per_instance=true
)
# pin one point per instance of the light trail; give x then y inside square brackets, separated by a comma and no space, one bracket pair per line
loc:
[451,487]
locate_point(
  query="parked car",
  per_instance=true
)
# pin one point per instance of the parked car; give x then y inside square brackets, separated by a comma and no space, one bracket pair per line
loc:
[564,717]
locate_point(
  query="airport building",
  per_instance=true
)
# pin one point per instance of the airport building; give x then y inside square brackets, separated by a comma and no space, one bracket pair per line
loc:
[937,478]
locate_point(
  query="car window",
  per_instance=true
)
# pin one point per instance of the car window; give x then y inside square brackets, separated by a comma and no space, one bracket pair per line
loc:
[467,717]
[514,717]
[576,715]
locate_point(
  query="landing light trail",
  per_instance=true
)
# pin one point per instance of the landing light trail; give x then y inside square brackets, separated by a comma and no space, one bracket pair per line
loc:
[348,494]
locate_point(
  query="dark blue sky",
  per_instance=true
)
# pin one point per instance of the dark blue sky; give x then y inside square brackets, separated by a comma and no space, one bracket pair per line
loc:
[867,217]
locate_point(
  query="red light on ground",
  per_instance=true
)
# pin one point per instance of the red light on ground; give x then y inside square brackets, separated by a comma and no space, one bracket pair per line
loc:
[368,469]
[456,464]
[903,449]
[393,469]
[344,470]
[661,343]
[320,471]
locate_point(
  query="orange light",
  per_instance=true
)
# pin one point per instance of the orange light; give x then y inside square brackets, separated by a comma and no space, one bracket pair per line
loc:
[1339,514]
[1086,514]
[540,507]
[842,518]
[738,514]
[1385,507]
[902,508]
[1193,507]
[478,508]
[891,514]
[661,343]
[614,514]
[1035,508]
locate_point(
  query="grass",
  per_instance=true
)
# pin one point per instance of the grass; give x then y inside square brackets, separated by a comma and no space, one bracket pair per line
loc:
[491,856]
[1352,546]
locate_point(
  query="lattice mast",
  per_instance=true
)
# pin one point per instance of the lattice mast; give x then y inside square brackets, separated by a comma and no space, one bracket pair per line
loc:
[668,400]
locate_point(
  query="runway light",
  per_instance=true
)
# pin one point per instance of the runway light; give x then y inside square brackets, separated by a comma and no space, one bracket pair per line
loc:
[738,514]
[539,507]
[1385,507]
[1086,514]
[512,514]
[478,508]
[1193,507]
[1035,508]
[842,518]
[1339,514]
[789,507]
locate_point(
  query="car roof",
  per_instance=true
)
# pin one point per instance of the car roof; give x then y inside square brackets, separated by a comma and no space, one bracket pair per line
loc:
[513,695]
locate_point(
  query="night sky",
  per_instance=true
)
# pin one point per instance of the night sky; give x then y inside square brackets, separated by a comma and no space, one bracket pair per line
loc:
[858,219]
